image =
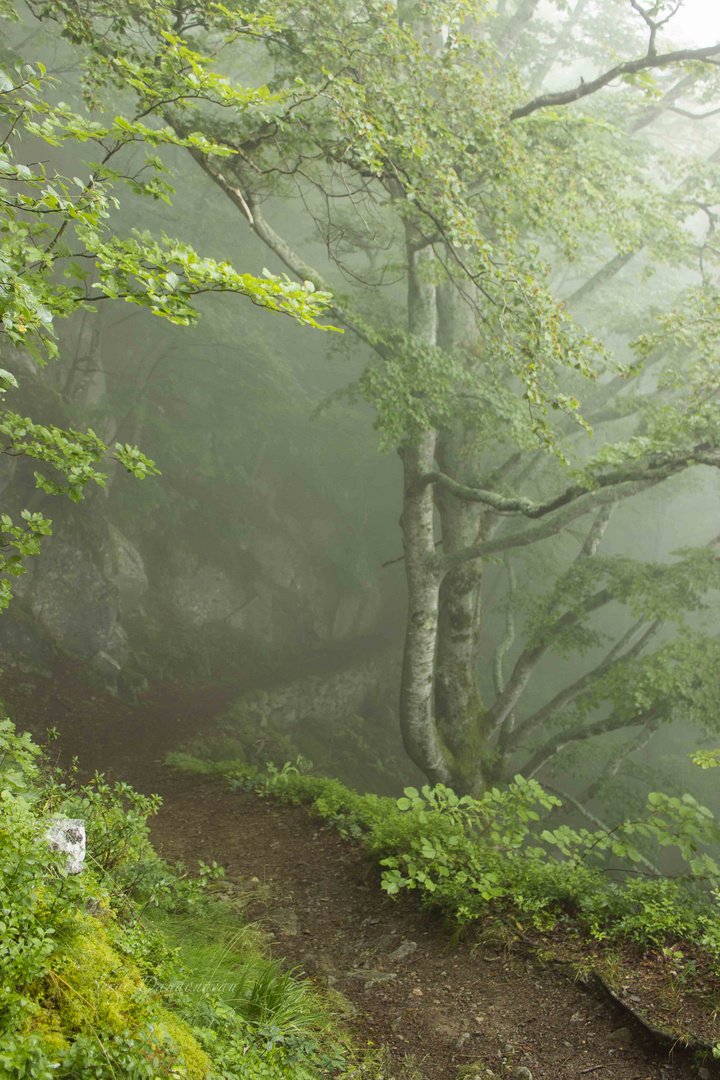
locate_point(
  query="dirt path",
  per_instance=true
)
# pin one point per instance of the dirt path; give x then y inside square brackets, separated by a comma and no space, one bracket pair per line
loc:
[408,987]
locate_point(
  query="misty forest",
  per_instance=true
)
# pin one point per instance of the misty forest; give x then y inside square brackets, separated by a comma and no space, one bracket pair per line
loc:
[360,547]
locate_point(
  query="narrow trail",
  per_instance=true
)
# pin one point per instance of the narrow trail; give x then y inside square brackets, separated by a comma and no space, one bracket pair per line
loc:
[318,895]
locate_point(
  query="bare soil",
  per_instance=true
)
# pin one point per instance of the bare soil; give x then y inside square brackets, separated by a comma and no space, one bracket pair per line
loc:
[488,999]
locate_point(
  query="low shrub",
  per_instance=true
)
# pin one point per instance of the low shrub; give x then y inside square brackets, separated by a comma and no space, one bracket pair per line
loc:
[466,856]
[132,967]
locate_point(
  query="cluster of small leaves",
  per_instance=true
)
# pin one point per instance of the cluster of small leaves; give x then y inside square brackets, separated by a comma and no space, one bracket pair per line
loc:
[706,759]
[678,681]
[649,590]
[466,854]
[60,252]
[669,821]
[421,132]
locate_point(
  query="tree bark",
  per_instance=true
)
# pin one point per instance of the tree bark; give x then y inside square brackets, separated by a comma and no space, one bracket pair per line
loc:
[556,49]
[523,15]
[422,567]
[458,706]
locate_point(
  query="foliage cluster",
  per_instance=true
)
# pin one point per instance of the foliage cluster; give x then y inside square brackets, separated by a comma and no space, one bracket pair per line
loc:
[132,968]
[467,856]
[61,253]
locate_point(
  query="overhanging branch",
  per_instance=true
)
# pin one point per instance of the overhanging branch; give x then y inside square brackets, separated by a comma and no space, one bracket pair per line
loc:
[531,656]
[629,67]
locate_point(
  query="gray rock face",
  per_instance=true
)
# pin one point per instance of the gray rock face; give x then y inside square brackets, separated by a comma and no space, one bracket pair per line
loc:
[356,614]
[124,567]
[73,600]
[320,698]
[282,591]
[74,597]
[204,594]
[292,582]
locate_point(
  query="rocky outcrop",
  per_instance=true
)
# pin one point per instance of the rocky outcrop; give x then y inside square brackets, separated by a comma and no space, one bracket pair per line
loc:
[322,698]
[124,568]
[278,594]
[73,598]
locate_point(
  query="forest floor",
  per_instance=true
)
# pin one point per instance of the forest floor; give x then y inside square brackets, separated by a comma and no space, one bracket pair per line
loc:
[437,1006]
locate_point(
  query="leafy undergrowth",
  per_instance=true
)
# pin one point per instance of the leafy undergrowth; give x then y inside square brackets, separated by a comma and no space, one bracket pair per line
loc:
[132,968]
[494,861]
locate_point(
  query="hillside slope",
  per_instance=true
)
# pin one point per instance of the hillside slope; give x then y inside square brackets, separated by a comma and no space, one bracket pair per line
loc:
[486,1002]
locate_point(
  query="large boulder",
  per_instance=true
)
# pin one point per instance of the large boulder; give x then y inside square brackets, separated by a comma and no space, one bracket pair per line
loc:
[73,597]
[322,698]
[203,593]
[123,566]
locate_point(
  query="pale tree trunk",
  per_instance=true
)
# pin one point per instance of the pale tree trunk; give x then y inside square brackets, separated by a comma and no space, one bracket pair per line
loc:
[422,567]
[525,11]
[561,42]
[458,707]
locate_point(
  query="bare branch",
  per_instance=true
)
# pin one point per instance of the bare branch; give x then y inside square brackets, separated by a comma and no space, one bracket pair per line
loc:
[666,102]
[568,694]
[597,531]
[558,47]
[612,768]
[629,67]
[692,115]
[509,635]
[553,746]
[523,15]
[531,656]
[553,525]
[519,505]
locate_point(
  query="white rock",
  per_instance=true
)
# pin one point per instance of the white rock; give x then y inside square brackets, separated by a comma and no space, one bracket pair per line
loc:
[68,835]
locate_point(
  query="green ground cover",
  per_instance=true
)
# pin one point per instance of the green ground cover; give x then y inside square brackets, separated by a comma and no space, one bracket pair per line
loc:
[133,968]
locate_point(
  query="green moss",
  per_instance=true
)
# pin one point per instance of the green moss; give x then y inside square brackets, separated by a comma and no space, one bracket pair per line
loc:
[46,1024]
[92,985]
[193,1059]
[98,996]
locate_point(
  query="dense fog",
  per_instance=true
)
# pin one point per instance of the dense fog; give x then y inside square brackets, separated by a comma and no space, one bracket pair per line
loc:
[359,565]
[521,400]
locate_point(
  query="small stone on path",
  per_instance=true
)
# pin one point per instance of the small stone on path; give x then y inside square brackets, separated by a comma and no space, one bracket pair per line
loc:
[286,919]
[404,950]
[622,1035]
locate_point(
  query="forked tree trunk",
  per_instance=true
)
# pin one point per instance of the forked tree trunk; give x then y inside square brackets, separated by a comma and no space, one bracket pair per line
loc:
[458,706]
[459,712]
[422,568]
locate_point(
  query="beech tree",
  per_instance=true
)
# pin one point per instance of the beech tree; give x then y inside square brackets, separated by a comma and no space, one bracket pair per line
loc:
[422,145]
